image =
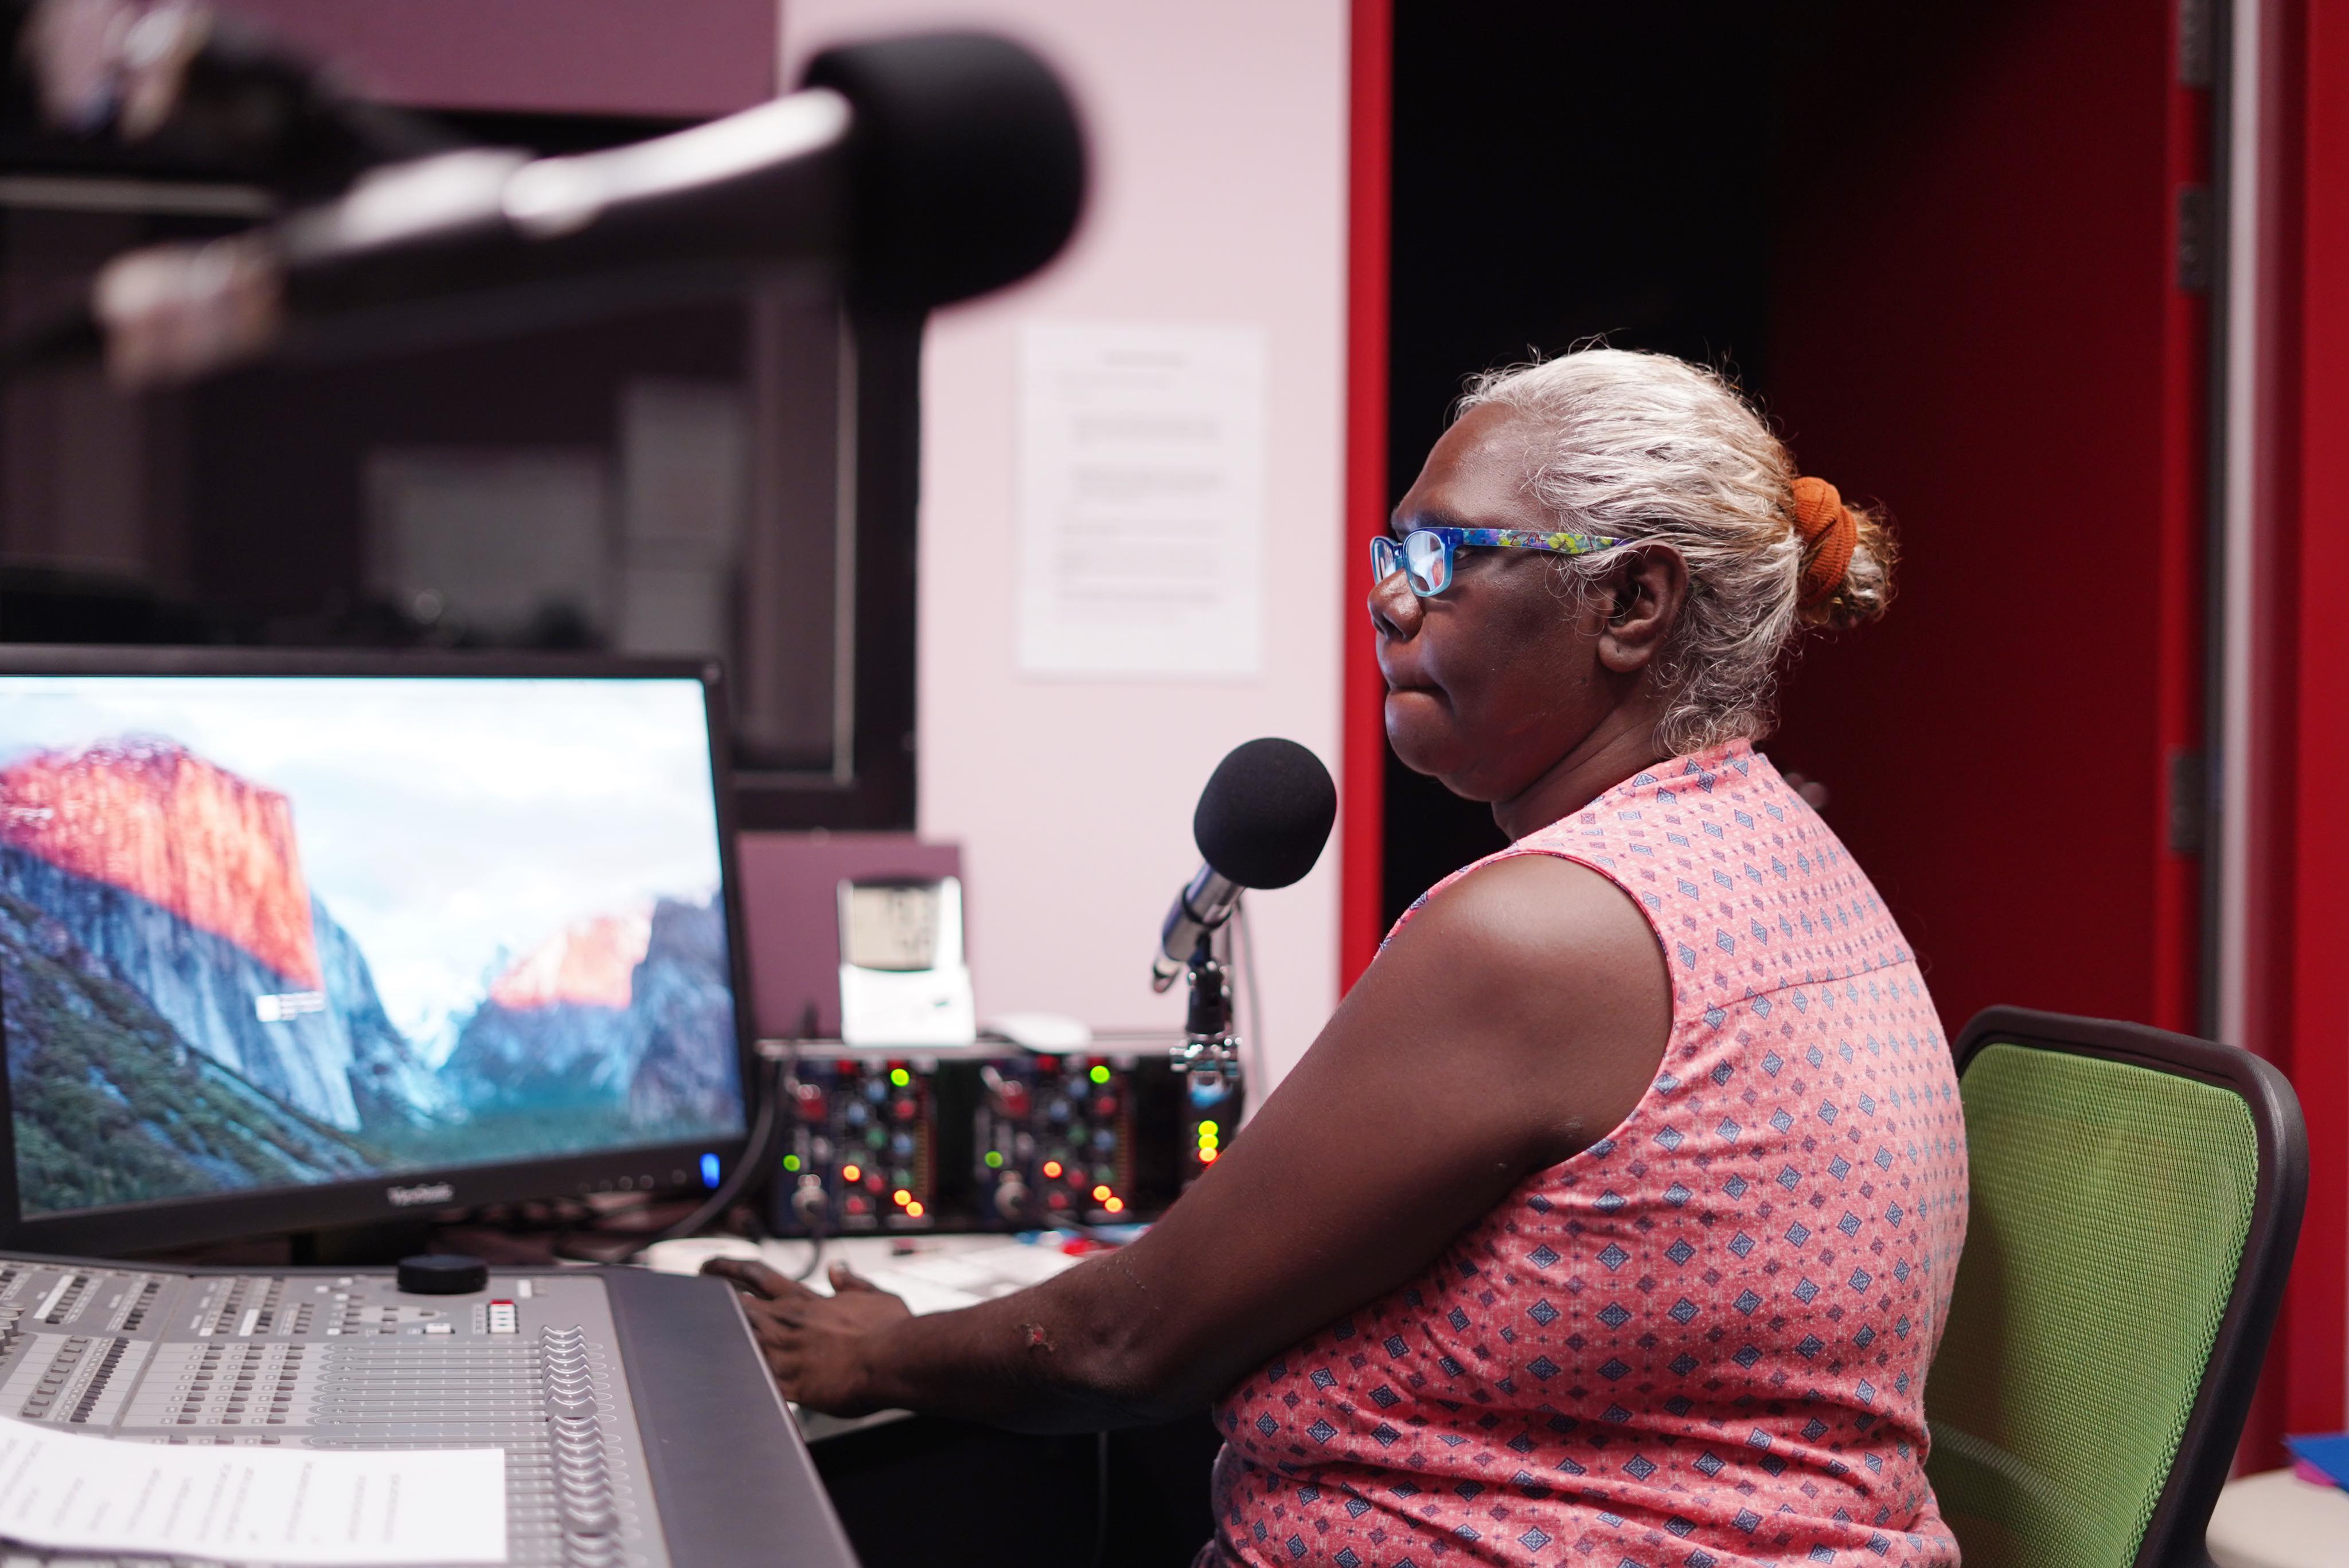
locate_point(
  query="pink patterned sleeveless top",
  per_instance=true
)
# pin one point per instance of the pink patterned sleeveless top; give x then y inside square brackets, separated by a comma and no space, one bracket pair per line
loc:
[1701,1343]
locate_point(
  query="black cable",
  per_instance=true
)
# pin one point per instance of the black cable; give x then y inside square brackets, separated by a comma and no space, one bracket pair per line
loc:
[815,1248]
[1252,1037]
[1101,1499]
[757,1154]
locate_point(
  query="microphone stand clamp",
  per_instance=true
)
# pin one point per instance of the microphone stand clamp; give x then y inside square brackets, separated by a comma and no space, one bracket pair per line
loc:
[1210,1052]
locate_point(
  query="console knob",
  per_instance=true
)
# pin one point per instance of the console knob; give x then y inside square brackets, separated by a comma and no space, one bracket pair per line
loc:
[443,1275]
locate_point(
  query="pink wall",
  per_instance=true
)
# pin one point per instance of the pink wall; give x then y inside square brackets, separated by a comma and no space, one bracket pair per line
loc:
[684,57]
[1218,133]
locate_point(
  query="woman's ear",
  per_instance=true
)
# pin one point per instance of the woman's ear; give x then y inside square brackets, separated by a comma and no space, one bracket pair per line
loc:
[1644,595]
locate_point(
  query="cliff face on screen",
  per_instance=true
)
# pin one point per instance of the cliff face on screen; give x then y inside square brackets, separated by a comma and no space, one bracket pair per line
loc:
[612,1011]
[112,1103]
[143,816]
[185,1013]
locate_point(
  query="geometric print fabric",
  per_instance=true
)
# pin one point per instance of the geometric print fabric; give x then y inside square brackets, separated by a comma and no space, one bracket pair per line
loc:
[1702,1341]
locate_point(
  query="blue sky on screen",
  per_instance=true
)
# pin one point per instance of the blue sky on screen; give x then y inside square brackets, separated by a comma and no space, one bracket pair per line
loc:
[449,825]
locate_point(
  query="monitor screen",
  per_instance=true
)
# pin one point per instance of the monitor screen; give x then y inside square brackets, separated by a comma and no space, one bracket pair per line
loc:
[267,932]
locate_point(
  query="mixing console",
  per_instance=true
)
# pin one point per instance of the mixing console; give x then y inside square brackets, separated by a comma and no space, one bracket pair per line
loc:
[539,1363]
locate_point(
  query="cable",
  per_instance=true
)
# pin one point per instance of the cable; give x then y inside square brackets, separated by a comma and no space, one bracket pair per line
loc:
[812,1215]
[1101,1499]
[1251,1000]
[756,1152]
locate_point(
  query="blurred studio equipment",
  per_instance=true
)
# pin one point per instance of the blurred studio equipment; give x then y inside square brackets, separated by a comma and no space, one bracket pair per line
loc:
[683,364]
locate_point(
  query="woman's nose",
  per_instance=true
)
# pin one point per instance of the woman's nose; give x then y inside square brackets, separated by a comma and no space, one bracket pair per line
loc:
[1394,609]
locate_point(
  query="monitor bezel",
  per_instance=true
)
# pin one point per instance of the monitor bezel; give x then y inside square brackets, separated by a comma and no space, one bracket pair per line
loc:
[171,1222]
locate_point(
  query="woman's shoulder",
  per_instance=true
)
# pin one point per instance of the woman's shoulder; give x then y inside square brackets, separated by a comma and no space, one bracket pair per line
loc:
[1598,836]
[1530,902]
[1533,936]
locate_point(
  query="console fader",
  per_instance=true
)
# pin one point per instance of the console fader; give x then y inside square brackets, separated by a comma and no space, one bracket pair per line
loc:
[567,1370]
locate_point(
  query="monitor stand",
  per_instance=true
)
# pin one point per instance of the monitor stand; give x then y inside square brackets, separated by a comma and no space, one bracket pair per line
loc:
[377,1244]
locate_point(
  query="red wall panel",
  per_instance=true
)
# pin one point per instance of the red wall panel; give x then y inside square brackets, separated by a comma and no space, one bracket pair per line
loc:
[2306,689]
[1976,317]
[1369,200]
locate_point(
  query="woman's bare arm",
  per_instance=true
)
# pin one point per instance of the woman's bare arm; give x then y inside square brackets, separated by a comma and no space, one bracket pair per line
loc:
[1517,1019]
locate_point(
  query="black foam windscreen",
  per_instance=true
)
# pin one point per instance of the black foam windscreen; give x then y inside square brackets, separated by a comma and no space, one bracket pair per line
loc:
[1266,814]
[970,163]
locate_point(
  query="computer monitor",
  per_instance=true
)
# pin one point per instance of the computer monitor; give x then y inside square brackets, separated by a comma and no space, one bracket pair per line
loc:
[294,941]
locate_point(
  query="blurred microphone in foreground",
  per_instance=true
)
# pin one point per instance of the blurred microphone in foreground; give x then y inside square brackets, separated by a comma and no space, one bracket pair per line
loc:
[911,171]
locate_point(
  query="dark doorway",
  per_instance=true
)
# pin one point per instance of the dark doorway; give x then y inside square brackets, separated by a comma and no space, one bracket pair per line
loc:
[1955,252]
[1564,172]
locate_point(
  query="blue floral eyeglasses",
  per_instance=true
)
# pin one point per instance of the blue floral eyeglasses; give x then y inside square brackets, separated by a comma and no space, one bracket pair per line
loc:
[1424,555]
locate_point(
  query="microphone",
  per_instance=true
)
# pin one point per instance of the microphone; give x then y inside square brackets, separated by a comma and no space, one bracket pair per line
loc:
[1261,823]
[923,170]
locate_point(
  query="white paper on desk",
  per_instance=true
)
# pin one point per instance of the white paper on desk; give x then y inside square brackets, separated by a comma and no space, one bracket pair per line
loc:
[1141,500]
[333,1510]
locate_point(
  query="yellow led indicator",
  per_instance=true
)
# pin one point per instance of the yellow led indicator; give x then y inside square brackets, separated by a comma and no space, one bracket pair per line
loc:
[1114,1205]
[851,1173]
[791,1162]
[899,1076]
[901,1197]
[994,1159]
[1100,1075]
[1208,1129]
[1100,1193]
[915,1210]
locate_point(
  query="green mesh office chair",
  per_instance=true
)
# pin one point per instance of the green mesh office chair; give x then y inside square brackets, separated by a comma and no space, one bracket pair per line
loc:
[2136,1197]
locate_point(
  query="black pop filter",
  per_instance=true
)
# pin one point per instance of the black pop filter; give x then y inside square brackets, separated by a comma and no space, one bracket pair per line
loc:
[1266,814]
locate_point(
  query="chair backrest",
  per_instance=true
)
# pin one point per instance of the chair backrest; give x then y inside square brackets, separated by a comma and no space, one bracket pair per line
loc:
[2135,1200]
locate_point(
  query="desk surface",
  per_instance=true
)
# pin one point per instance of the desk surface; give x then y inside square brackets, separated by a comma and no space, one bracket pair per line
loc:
[932,1274]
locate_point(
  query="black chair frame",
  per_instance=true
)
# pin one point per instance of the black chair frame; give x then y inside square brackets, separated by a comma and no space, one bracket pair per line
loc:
[2206,1451]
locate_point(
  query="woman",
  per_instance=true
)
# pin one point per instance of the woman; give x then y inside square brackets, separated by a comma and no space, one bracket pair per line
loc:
[1613,1217]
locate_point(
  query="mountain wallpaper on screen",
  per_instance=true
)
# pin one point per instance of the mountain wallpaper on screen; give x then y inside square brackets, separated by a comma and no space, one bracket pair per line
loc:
[184,1015]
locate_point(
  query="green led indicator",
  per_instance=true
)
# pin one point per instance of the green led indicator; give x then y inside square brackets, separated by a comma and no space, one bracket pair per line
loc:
[1208,1129]
[1100,1075]
[899,1076]
[791,1162]
[994,1159]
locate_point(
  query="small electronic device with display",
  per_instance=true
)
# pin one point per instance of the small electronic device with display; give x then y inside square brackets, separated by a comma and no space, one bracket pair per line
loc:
[294,941]
[903,980]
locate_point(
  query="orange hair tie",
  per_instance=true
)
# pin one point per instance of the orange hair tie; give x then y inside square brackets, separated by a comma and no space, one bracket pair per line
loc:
[1829,533]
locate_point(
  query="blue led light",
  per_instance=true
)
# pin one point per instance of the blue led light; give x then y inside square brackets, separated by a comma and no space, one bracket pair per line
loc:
[709,1170]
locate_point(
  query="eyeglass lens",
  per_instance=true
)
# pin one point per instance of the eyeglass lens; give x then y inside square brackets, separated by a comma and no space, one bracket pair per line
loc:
[1429,562]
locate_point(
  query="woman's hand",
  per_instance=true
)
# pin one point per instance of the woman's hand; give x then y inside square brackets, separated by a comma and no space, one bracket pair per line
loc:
[1547,986]
[813,1343]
